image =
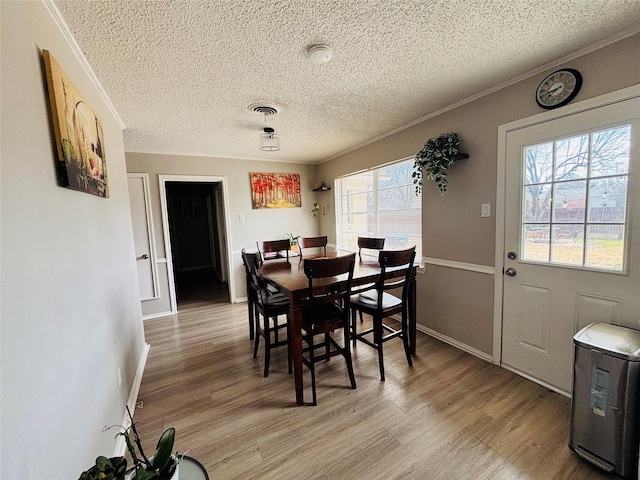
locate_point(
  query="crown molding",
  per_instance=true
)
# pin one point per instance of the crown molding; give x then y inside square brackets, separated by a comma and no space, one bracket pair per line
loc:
[77,51]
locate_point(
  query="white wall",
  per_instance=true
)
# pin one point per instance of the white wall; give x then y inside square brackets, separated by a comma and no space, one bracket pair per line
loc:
[70,305]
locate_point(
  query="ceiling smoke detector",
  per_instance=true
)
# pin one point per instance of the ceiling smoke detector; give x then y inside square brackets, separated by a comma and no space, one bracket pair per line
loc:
[320,53]
[265,109]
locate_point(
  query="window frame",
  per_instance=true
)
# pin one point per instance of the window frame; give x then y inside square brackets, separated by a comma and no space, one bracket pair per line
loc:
[339,195]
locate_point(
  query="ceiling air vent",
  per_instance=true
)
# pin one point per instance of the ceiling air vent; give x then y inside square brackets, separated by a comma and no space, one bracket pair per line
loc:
[264,108]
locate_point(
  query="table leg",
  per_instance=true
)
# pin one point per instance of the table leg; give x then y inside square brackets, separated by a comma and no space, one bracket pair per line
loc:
[295,317]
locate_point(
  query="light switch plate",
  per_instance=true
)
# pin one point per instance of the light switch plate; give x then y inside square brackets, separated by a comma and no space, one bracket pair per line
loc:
[485,210]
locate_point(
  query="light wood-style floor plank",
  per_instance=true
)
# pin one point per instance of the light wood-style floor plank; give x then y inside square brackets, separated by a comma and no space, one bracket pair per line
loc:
[450,416]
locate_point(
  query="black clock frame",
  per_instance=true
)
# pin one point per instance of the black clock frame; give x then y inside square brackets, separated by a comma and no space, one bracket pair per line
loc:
[576,74]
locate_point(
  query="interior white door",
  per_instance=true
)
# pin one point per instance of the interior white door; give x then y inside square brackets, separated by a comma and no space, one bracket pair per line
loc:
[142,235]
[572,195]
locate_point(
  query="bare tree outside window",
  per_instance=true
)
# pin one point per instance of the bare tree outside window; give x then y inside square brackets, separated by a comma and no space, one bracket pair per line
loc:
[575,196]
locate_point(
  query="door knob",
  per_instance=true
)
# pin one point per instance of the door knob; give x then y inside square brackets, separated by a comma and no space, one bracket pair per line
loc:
[510,272]
[512,255]
[144,257]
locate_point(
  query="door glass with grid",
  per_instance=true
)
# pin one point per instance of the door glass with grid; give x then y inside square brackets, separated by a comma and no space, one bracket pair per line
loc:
[575,199]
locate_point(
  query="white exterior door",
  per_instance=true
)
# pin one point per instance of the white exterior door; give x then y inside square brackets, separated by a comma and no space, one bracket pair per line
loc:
[143,235]
[572,236]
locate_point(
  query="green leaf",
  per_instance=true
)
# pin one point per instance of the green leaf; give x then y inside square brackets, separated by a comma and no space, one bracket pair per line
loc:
[164,448]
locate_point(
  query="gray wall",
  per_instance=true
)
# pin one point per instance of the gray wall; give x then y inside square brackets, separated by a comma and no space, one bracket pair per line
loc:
[455,303]
[261,224]
[70,302]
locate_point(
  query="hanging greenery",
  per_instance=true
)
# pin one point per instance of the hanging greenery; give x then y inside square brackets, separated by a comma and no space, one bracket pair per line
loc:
[432,162]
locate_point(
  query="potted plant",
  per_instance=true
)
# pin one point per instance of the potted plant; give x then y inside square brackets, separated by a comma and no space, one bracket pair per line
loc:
[161,466]
[432,162]
[293,241]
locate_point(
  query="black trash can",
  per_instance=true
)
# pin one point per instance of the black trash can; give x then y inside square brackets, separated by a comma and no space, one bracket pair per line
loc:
[604,404]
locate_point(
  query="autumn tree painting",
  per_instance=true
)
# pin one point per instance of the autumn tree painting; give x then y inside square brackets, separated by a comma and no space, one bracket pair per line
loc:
[275,190]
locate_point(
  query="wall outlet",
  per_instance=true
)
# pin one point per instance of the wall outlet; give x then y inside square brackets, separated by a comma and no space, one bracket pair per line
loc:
[485,210]
[242,218]
[119,379]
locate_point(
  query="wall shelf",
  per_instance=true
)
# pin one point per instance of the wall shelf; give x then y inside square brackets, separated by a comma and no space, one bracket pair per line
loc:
[322,188]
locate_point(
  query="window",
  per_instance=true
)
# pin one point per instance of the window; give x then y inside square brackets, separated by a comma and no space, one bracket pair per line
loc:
[575,199]
[380,202]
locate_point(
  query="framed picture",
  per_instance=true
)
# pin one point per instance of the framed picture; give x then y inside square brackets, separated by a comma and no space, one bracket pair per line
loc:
[275,190]
[81,158]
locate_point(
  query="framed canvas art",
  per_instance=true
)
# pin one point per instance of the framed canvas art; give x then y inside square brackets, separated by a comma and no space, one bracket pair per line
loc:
[81,158]
[275,190]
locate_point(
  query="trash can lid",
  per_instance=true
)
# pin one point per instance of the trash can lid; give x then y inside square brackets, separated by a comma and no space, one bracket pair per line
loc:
[621,342]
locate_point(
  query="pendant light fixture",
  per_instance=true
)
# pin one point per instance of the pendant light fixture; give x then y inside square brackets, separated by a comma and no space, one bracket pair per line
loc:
[269,141]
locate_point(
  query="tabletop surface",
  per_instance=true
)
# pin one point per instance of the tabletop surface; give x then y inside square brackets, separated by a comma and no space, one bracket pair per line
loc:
[290,276]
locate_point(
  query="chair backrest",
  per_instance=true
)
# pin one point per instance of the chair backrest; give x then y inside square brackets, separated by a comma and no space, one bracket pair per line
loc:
[250,260]
[252,269]
[311,242]
[318,269]
[369,243]
[270,248]
[395,271]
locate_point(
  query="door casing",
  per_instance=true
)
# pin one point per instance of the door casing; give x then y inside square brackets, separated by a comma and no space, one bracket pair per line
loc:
[163,179]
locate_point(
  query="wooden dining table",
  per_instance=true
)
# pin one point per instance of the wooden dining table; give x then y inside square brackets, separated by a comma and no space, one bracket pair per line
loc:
[290,279]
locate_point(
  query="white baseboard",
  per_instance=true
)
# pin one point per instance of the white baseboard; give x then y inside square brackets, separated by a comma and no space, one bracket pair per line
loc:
[462,346]
[157,315]
[121,445]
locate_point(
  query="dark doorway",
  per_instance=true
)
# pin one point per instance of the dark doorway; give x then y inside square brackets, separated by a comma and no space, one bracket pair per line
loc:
[195,242]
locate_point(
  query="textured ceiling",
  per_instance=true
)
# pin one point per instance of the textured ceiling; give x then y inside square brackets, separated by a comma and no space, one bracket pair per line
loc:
[182,73]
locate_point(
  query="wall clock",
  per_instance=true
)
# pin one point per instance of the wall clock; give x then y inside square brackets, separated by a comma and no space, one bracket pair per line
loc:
[558,88]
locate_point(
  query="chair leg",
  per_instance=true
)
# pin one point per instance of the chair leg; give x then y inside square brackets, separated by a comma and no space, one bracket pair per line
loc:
[405,339]
[256,340]
[361,319]
[312,362]
[347,357]
[377,339]
[327,347]
[354,330]
[251,315]
[275,329]
[267,345]
[289,346]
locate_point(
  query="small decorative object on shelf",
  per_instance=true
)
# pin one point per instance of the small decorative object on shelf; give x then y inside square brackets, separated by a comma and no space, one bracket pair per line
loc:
[317,208]
[321,188]
[432,162]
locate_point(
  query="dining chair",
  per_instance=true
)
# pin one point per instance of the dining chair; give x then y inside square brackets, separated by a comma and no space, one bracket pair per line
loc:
[370,243]
[313,242]
[250,260]
[395,272]
[327,310]
[268,306]
[271,249]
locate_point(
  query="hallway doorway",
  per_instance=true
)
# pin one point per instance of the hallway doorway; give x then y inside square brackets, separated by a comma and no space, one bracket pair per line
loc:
[196,239]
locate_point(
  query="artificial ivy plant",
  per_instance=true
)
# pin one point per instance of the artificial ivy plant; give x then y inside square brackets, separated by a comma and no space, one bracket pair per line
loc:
[432,162]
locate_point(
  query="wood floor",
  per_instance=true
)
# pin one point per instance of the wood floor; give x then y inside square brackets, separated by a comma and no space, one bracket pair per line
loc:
[450,416]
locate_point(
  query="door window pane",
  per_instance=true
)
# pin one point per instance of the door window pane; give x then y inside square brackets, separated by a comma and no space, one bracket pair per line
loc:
[569,201]
[611,150]
[539,164]
[577,215]
[572,157]
[605,246]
